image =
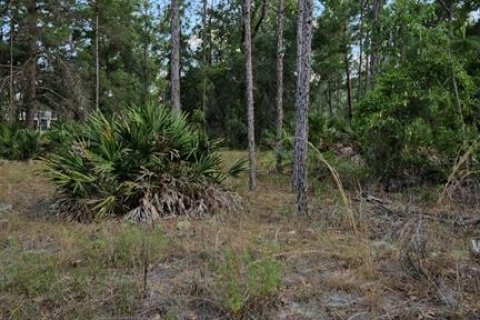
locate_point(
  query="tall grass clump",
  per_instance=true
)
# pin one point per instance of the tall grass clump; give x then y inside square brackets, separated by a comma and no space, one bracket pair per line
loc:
[246,284]
[143,164]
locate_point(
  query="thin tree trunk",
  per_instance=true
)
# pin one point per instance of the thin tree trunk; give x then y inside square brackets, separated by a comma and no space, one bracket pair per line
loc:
[210,47]
[375,39]
[263,14]
[454,78]
[249,93]
[348,81]
[146,46]
[348,84]
[329,100]
[97,58]
[367,71]
[205,31]
[299,40]
[360,57]
[12,101]
[31,93]
[175,56]
[279,99]
[302,106]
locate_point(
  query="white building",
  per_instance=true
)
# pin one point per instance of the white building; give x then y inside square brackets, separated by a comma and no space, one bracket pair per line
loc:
[43,119]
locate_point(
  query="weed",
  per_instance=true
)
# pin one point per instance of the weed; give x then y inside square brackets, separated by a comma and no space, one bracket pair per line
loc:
[243,278]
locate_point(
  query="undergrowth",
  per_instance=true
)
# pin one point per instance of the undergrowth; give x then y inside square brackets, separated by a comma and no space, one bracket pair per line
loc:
[246,281]
[76,272]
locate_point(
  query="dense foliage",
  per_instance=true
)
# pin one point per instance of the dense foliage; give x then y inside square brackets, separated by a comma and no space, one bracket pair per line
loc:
[403,70]
[144,163]
[19,143]
[425,107]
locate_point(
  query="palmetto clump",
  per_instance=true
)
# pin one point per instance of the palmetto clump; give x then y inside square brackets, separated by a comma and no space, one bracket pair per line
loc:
[18,143]
[144,164]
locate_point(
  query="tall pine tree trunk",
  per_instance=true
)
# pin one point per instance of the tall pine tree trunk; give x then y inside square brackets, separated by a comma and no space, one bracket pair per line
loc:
[328,95]
[205,32]
[348,85]
[146,48]
[13,113]
[348,80]
[279,99]
[249,93]
[375,41]
[31,70]
[329,99]
[175,56]
[299,39]
[97,58]
[302,104]
[360,49]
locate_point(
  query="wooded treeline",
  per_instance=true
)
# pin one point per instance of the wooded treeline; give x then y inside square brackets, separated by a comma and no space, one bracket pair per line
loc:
[397,81]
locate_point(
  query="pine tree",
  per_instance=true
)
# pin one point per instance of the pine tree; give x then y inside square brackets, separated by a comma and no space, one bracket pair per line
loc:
[305,18]
[31,73]
[279,98]
[175,55]
[249,93]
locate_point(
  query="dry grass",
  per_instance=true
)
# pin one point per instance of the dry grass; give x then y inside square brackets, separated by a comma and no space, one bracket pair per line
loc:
[409,259]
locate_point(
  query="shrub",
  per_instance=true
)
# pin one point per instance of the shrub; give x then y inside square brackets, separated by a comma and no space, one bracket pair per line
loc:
[144,163]
[326,133]
[398,131]
[19,143]
[60,135]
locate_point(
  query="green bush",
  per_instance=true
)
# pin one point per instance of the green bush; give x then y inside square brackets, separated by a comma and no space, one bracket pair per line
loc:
[60,135]
[411,129]
[325,133]
[143,163]
[19,143]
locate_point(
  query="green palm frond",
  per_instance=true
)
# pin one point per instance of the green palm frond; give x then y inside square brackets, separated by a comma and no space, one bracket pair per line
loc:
[145,156]
[19,143]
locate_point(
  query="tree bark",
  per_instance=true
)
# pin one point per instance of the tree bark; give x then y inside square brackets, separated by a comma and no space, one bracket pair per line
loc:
[263,14]
[348,80]
[360,57]
[97,58]
[302,105]
[375,39]
[249,93]
[146,46]
[299,41]
[31,69]
[175,56]
[329,99]
[210,41]
[348,85]
[13,113]
[205,32]
[279,99]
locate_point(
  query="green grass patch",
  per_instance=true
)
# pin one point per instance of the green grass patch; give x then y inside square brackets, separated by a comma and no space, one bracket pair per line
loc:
[81,274]
[242,278]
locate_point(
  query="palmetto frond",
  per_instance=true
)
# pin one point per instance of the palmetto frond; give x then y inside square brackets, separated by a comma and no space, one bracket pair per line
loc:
[19,143]
[146,159]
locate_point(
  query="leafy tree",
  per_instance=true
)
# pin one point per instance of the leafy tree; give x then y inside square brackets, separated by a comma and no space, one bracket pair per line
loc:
[424,103]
